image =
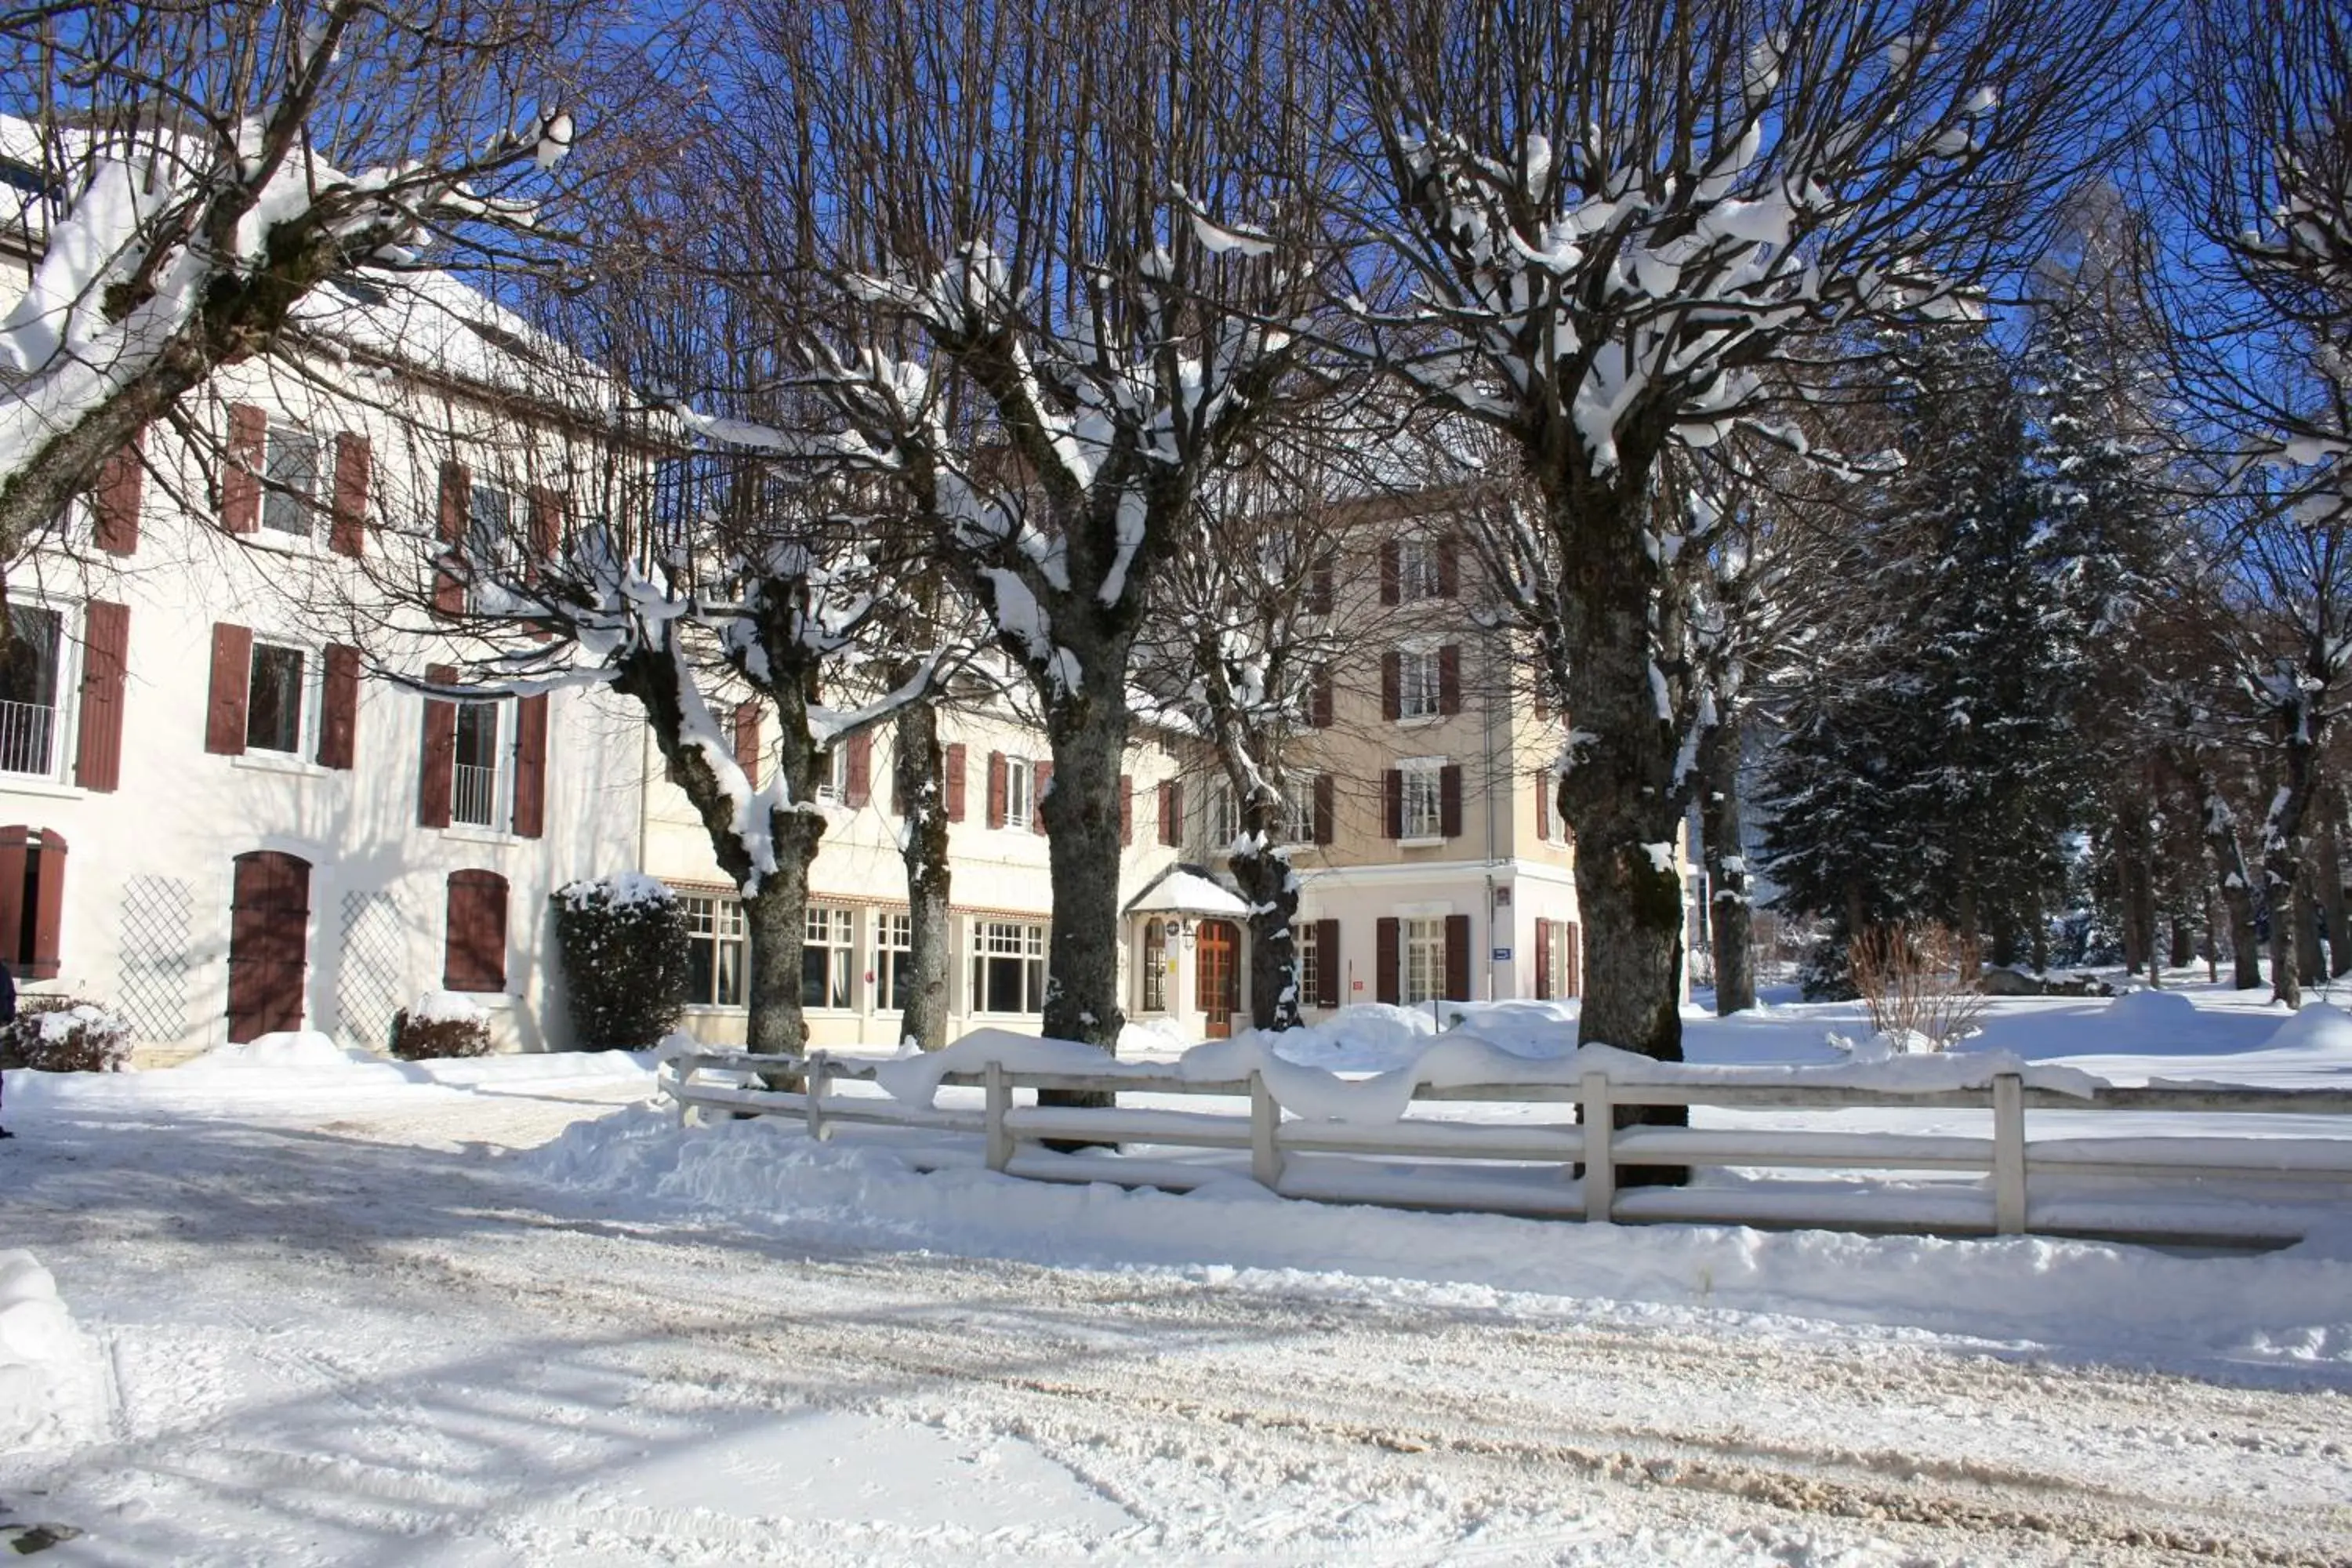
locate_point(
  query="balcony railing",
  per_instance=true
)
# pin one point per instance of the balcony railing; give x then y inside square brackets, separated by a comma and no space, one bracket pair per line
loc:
[474,795]
[24,732]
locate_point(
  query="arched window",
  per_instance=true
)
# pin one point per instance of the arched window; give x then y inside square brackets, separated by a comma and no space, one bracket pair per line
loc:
[1155,966]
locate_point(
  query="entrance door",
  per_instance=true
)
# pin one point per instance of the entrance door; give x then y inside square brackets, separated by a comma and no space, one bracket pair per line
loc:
[268,943]
[1217,976]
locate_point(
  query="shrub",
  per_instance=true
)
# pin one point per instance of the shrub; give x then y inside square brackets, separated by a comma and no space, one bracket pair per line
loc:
[440,1024]
[622,939]
[63,1034]
[1916,981]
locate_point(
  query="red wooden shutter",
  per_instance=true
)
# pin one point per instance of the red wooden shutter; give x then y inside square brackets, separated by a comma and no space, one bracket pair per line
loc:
[15,850]
[1457,958]
[339,724]
[1449,579]
[1326,964]
[955,770]
[1449,679]
[1571,952]
[861,768]
[105,642]
[530,766]
[457,500]
[354,468]
[249,437]
[440,752]
[474,954]
[1125,810]
[1041,783]
[546,522]
[1172,813]
[996,789]
[49,903]
[1543,804]
[1543,961]
[114,505]
[1326,799]
[232,684]
[1449,800]
[1318,589]
[1388,573]
[1392,685]
[1392,803]
[1388,982]
[747,741]
[1318,698]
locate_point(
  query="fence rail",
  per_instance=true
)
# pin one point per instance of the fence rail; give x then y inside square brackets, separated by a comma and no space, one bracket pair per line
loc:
[2171,1187]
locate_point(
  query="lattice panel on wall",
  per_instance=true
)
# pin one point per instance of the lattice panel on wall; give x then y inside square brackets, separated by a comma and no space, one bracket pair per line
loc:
[155,959]
[369,982]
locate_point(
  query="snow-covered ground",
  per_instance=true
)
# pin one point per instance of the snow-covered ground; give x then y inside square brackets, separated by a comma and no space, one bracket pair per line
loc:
[506,1313]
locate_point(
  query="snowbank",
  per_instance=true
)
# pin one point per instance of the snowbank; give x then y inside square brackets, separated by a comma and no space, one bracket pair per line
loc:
[51,1389]
[305,1072]
[2318,1028]
[2293,1307]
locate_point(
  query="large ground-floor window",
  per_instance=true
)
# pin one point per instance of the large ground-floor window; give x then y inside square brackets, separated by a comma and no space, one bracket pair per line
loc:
[827,952]
[1424,960]
[894,969]
[1008,967]
[1155,966]
[714,952]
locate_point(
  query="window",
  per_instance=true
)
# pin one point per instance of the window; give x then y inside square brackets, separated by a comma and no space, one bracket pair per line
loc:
[833,788]
[32,901]
[714,952]
[1008,967]
[1310,963]
[276,696]
[1421,569]
[826,952]
[28,690]
[1421,683]
[475,956]
[1298,809]
[894,962]
[1155,966]
[490,528]
[1225,817]
[291,470]
[1424,960]
[1019,801]
[474,776]
[1424,799]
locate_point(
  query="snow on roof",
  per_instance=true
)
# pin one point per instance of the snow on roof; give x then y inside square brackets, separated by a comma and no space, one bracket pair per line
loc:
[1178,892]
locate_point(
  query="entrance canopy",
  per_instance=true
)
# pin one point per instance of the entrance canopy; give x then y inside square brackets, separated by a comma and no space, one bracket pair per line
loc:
[1179,891]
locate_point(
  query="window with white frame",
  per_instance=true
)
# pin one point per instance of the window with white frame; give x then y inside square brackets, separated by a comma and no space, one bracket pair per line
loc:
[1424,958]
[1008,967]
[1154,967]
[1555,824]
[827,949]
[29,669]
[1225,817]
[1421,683]
[833,787]
[1309,941]
[714,952]
[1424,815]
[477,782]
[1298,809]
[490,530]
[290,471]
[894,956]
[277,705]
[1020,793]
[1421,572]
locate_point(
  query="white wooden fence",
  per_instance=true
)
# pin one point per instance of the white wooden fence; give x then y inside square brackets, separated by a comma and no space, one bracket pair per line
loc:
[2173,1187]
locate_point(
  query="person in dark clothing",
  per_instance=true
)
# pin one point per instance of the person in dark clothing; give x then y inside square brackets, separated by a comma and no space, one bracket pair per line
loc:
[7,1015]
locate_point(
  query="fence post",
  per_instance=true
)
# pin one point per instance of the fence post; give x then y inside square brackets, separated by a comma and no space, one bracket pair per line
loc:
[2008,1154]
[1000,1100]
[820,1076]
[1266,1127]
[1600,1158]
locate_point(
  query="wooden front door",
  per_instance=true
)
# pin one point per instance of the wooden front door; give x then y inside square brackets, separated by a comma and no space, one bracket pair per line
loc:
[268,943]
[1217,976]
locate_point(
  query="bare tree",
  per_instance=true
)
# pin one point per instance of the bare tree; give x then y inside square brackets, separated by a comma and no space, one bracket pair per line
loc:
[1605,222]
[206,167]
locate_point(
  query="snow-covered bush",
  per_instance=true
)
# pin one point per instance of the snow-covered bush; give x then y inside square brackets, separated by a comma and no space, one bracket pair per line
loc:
[624,959]
[62,1034]
[440,1024]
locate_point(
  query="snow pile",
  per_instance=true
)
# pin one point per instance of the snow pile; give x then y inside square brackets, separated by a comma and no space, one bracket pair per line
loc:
[2318,1028]
[2291,1308]
[51,1388]
[446,1007]
[295,1049]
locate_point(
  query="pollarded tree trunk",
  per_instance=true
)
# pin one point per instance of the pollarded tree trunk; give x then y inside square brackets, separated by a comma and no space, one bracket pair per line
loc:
[917,773]
[1731,906]
[1086,727]
[1272,894]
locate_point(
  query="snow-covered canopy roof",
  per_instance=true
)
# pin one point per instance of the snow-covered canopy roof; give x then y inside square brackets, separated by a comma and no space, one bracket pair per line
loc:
[1178,892]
